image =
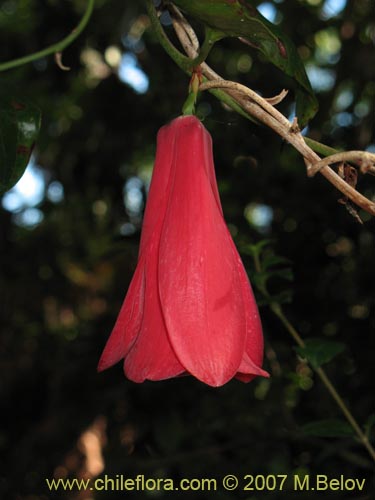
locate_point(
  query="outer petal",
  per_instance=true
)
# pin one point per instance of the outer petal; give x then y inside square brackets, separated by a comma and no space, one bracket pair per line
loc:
[157,198]
[128,322]
[253,356]
[199,284]
[249,370]
[152,356]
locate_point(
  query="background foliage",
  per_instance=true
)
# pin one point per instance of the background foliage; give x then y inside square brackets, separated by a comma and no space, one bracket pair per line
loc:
[70,237]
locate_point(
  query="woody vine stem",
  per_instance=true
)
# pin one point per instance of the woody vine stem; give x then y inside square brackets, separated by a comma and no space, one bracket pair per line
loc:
[250,105]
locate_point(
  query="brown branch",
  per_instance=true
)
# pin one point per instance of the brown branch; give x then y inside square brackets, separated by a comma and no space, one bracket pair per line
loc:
[365,160]
[264,111]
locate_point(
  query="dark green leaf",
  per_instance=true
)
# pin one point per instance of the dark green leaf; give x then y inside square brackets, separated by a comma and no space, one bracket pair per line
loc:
[320,351]
[256,248]
[273,260]
[19,128]
[284,297]
[328,428]
[238,18]
[285,274]
[261,279]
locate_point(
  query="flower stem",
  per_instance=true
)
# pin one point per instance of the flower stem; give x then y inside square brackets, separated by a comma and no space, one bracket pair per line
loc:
[211,36]
[56,47]
[277,309]
[189,105]
[345,410]
[184,62]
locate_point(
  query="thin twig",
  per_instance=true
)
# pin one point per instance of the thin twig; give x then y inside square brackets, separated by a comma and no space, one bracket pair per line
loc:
[56,47]
[251,94]
[267,114]
[326,381]
[60,64]
[365,160]
[259,108]
[179,20]
[277,98]
[277,309]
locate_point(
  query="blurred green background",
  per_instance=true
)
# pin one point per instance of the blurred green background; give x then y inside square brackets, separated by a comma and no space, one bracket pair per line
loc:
[70,233]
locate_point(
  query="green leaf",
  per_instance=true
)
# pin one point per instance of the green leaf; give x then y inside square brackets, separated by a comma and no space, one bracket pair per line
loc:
[259,280]
[263,277]
[238,18]
[320,351]
[19,128]
[256,248]
[284,297]
[273,260]
[286,273]
[328,428]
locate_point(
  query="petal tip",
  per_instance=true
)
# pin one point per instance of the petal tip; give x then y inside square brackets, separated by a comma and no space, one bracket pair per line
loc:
[103,364]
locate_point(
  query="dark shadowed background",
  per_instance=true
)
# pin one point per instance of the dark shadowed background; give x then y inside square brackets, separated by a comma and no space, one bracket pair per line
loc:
[69,240]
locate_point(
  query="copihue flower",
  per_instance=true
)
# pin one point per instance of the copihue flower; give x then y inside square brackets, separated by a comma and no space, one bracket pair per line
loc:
[189,308]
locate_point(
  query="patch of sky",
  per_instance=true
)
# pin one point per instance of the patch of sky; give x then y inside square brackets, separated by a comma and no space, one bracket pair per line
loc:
[165,18]
[55,192]
[268,10]
[259,216]
[28,192]
[127,229]
[23,199]
[133,43]
[332,8]
[321,79]
[130,73]
[29,218]
[344,99]
[133,196]
[343,119]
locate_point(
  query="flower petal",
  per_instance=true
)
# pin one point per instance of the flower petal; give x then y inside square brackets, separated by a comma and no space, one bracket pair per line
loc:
[254,334]
[199,284]
[249,370]
[157,198]
[151,356]
[128,322]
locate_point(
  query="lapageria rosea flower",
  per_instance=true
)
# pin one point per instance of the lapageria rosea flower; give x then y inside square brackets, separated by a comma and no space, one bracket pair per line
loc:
[189,308]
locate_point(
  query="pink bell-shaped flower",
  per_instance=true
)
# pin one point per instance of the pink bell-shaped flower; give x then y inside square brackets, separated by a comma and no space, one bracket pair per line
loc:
[189,308]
